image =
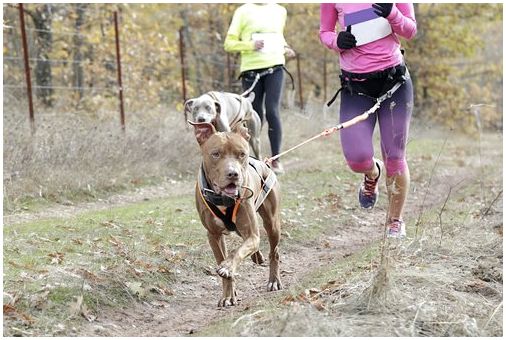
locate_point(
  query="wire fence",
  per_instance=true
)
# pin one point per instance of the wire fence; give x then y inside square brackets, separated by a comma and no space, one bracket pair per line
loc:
[77,61]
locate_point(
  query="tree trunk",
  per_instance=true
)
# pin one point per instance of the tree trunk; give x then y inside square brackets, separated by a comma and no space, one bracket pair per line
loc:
[77,66]
[189,43]
[42,19]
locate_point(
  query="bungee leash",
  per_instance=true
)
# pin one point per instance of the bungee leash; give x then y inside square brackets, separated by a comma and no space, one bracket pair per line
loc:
[343,125]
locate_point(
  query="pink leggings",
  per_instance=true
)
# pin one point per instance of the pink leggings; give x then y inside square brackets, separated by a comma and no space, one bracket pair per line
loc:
[393,117]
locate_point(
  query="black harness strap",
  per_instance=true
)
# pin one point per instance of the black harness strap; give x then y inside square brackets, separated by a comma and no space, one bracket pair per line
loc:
[213,201]
[225,217]
[267,183]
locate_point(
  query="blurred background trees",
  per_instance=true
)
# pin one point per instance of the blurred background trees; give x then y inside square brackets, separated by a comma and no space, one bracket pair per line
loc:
[455,59]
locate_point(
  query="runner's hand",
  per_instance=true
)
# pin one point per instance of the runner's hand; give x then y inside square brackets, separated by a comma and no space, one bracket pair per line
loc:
[259,44]
[290,53]
[383,10]
[346,40]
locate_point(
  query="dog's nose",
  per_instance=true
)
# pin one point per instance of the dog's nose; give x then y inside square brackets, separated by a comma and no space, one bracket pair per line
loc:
[201,120]
[232,174]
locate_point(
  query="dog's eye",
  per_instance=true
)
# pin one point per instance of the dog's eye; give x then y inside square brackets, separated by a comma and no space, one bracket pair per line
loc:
[242,155]
[215,155]
[208,108]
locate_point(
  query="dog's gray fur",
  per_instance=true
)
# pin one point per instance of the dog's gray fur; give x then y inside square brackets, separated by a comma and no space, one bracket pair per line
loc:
[225,110]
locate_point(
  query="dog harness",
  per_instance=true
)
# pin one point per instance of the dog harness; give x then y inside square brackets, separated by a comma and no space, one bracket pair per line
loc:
[225,207]
[240,116]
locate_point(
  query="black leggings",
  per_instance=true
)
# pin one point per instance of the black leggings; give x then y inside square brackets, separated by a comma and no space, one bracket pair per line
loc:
[268,88]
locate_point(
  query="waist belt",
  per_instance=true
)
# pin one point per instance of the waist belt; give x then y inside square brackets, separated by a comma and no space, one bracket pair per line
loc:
[392,76]
[265,72]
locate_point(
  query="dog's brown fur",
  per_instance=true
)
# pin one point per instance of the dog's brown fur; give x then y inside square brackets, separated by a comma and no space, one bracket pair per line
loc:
[225,164]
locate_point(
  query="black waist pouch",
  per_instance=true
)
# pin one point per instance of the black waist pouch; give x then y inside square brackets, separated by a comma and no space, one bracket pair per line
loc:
[373,84]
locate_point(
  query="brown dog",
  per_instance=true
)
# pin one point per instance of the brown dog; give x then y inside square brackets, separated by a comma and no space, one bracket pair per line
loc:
[230,189]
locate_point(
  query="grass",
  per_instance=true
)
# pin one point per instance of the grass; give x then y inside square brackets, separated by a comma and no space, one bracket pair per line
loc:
[73,159]
[119,255]
[432,296]
[105,250]
[60,272]
[102,250]
[432,279]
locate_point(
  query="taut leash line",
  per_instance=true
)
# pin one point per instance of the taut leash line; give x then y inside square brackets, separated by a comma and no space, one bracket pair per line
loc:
[327,132]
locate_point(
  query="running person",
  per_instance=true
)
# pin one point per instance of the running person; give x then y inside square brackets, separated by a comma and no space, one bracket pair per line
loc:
[371,63]
[256,31]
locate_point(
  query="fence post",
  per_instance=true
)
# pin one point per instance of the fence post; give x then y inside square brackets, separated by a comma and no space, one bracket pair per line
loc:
[118,61]
[183,66]
[300,82]
[27,67]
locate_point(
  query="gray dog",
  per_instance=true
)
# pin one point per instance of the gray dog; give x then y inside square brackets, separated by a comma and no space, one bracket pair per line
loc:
[225,111]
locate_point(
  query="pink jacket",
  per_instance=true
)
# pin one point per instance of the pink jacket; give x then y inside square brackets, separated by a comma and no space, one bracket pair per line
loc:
[374,56]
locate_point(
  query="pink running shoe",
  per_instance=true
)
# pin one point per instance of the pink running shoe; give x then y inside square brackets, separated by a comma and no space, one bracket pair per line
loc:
[396,229]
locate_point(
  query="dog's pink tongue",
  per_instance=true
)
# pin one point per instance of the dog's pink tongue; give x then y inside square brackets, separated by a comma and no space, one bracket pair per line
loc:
[231,190]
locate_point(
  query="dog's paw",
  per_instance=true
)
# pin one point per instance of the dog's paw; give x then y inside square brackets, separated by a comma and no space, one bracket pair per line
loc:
[224,271]
[258,258]
[274,285]
[227,301]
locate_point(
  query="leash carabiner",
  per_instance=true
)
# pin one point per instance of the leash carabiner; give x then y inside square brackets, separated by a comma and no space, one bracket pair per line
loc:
[270,70]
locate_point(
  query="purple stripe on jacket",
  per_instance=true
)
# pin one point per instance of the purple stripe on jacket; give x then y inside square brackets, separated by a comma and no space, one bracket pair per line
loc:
[377,55]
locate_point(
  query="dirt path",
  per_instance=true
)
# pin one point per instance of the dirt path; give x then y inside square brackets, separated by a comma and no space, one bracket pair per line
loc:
[193,305]
[172,188]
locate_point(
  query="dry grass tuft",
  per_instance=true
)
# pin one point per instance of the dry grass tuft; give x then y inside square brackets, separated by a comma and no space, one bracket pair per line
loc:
[73,155]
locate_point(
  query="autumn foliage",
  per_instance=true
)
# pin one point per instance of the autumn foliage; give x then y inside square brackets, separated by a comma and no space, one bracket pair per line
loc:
[455,59]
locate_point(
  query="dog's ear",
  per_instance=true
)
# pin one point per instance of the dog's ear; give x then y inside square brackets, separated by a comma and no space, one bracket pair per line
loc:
[242,130]
[217,106]
[203,131]
[188,105]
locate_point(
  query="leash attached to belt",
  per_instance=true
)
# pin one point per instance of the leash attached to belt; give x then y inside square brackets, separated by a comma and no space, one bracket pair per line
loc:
[343,125]
[259,75]
[392,73]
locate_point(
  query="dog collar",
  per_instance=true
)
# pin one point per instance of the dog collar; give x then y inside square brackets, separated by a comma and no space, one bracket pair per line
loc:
[212,200]
[231,205]
[211,196]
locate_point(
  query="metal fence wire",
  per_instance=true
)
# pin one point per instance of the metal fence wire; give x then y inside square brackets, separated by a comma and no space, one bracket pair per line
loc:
[97,57]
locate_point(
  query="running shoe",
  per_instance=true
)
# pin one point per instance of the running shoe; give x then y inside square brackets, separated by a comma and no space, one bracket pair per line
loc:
[396,229]
[368,191]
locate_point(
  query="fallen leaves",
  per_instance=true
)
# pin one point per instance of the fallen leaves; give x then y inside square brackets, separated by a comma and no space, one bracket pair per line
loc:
[56,257]
[137,289]
[114,241]
[10,310]
[79,242]
[39,301]
[165,291]
[311,296]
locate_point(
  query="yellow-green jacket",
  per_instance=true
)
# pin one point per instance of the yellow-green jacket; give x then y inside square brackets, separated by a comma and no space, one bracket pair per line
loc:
[254,18]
